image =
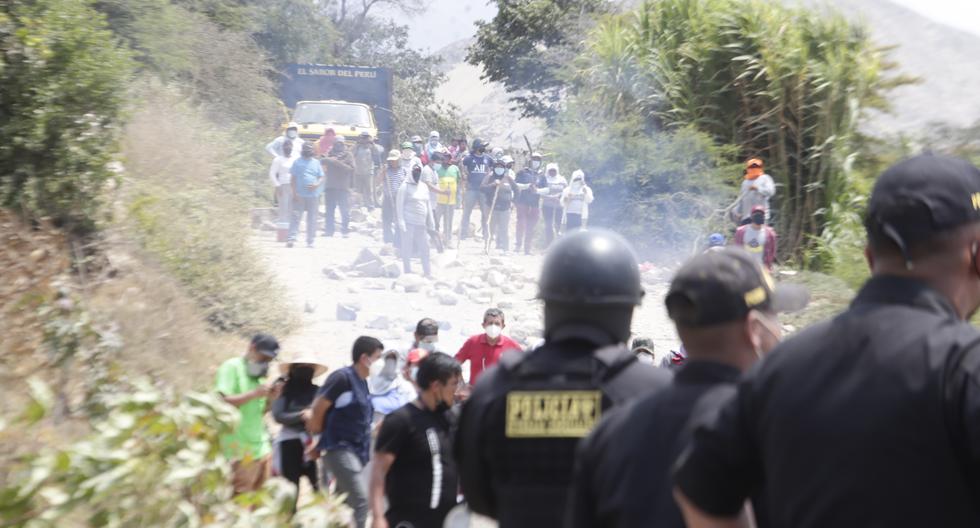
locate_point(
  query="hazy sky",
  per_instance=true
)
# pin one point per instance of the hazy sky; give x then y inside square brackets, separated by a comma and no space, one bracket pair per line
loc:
[447,21]
[962,14]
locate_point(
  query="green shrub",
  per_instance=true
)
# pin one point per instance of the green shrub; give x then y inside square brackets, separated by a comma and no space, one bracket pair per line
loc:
[153,460]
[62,92]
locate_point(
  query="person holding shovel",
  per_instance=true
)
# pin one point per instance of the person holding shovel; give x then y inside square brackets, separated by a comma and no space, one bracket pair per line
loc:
[500,188]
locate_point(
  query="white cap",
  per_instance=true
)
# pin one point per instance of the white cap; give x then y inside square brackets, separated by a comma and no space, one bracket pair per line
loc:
[434,134]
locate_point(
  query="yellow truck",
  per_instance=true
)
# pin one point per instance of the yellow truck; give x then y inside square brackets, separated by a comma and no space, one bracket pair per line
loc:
[348,99]
[344,117]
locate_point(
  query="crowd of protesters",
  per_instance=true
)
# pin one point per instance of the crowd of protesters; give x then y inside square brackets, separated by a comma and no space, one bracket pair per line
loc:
[419,187]
[745,429]
[399,400]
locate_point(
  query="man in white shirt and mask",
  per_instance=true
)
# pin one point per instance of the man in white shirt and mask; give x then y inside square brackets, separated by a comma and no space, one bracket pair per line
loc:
[291,134]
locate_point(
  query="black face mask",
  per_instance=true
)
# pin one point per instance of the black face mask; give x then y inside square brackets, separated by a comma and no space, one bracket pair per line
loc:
[301,374]
[758,219]
[416,175]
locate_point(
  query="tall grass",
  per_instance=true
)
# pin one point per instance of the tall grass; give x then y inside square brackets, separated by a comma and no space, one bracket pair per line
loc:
[188,188]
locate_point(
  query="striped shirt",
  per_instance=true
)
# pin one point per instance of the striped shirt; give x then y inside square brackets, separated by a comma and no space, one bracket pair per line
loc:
[394,179]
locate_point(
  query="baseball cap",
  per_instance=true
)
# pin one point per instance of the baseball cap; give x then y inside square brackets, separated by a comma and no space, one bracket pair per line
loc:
[406,144]
[758,209]
[716,239]
[416,139]
[923,196]
[723,286]
[266,345]
[394,155]
[754,162]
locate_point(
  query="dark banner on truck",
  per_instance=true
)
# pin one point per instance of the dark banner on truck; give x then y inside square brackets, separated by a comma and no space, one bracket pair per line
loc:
[371,86]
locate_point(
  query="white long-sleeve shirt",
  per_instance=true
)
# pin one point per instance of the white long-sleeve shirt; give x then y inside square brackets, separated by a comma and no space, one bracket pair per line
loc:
[412,204]
[765,188]
[279,171]
[576,201]
[275,147]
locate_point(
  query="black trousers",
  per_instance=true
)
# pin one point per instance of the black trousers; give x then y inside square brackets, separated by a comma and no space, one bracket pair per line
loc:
[293,465]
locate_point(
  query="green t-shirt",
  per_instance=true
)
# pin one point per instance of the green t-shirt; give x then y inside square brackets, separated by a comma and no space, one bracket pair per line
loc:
[451,171]
[249,438]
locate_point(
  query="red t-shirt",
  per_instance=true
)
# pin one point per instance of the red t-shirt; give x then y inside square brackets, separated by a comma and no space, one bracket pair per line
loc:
[482,354]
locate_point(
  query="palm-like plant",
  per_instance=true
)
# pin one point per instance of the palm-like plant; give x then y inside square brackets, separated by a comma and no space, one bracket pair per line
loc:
[787,84]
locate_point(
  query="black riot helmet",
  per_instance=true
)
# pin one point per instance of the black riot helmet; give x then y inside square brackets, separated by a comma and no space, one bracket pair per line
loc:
[590,279]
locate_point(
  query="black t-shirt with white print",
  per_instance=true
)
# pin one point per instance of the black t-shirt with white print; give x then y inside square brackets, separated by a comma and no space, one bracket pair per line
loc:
[422,483]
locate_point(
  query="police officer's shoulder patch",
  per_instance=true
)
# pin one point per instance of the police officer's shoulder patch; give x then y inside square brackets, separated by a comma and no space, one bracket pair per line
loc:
[552,414]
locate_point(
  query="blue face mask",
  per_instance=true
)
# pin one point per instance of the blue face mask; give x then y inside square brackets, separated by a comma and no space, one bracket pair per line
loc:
[499,171]
[437,166]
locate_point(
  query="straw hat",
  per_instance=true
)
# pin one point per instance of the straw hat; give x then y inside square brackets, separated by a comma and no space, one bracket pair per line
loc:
[306,359]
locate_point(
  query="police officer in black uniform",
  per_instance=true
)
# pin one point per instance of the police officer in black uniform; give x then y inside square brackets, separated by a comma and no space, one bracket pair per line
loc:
[519,429]
[871,419]
[725,307]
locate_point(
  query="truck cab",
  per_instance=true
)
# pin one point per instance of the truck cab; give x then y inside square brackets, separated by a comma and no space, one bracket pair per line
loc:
[346,118]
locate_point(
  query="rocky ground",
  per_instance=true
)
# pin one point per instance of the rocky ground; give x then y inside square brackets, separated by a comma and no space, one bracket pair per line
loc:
[346,287]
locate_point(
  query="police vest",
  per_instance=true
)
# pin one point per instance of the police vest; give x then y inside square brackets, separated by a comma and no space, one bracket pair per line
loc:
[537,420]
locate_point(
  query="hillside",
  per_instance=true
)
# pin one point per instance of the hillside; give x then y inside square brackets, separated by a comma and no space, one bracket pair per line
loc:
[942,57]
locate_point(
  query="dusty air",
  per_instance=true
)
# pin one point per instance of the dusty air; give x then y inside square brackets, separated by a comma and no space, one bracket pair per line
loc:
[522,263]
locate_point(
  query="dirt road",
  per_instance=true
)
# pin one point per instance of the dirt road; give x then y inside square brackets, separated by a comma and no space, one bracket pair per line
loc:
[465,283]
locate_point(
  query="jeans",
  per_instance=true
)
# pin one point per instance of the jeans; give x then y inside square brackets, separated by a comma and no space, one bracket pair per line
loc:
[471,198]
[415,239]
[501,222]
[347,468]
[527,220]
[335,198]
[309,205]
[573,221]
[444,215]
[552,223]
[389,222]
[284,195]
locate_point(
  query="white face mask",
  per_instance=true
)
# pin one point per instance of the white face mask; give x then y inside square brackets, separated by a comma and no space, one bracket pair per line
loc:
[437,166]
[414,373]
[499,171]
[433,142]
[535,164]
[291,134]
[428,345]
[257,369]
[493,331]
[407,154]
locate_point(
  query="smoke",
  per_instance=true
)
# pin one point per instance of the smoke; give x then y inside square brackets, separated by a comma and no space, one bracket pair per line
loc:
[665,191]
